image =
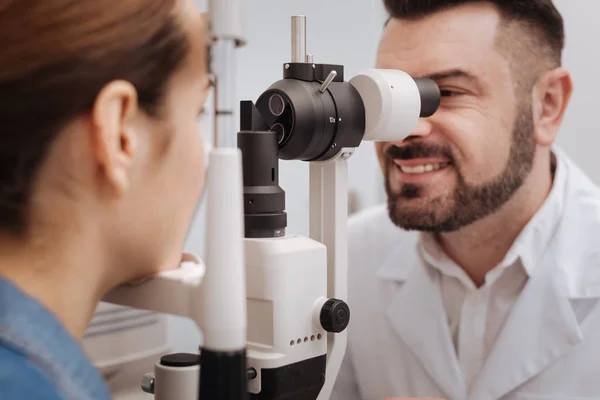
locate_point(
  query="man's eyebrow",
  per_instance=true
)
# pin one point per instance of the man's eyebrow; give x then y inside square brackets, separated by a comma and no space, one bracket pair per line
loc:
[453,73]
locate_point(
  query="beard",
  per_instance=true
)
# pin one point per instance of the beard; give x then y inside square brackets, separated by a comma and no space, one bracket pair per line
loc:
[467,203]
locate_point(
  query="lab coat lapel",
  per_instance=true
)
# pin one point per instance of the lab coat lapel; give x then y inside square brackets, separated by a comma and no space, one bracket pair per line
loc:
[417,315]
[541,329]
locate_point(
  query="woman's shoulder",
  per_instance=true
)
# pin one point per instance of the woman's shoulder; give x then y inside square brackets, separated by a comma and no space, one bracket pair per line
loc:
[20,378]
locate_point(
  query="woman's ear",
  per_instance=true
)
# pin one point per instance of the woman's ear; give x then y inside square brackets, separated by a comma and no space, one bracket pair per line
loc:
[551,98]
[114,137]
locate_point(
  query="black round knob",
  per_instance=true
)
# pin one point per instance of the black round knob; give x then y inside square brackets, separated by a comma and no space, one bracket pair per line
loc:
[180,360]
[335,316]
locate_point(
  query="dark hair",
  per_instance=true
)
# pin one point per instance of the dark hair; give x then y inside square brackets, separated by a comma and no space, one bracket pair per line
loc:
[56,56]
[540,16]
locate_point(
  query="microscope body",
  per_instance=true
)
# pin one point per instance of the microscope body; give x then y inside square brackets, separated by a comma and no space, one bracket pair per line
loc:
[290,316]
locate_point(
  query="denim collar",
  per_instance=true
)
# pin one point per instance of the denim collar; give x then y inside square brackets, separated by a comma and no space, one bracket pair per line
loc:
[29,328]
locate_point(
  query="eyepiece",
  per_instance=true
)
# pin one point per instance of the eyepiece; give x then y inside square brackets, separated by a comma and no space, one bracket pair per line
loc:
[430,96]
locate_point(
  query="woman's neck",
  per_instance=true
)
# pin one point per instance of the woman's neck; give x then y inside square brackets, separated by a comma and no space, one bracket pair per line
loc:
[66,279]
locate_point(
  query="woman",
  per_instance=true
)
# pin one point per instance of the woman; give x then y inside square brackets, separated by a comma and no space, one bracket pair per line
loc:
[101,166]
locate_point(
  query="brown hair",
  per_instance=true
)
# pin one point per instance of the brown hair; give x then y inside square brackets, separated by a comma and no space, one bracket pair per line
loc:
[55,57]
[543,25]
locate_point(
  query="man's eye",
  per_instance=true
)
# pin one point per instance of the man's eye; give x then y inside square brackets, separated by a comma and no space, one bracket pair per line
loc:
[449,93]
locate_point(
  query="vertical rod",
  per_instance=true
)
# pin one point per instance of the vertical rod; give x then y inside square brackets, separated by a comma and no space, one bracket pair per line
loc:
[223,372]
[224,70]
[328,225]
[299,39]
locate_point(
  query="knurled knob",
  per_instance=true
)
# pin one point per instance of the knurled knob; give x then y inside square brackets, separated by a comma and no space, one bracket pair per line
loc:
[335,315]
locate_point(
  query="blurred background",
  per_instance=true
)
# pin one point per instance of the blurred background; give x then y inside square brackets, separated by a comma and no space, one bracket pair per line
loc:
[126,343]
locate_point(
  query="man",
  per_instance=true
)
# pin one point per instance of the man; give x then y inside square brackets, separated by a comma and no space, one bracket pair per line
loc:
[480,280]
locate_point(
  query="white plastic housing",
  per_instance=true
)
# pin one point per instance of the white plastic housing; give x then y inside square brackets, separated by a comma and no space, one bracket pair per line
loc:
[392,103]
[223,294]
[286,277]
[170,292]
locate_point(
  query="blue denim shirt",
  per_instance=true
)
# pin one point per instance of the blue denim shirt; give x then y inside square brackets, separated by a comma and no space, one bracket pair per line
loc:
[39,359]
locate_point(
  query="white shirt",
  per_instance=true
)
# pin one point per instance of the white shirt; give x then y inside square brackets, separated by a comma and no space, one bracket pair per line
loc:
[476,315]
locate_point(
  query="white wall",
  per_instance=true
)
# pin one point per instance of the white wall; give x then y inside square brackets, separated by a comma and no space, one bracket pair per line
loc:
[580,135]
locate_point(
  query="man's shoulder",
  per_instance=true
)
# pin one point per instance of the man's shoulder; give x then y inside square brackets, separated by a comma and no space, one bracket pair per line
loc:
[20,378]
[375,222]
[372,234]
[368,218]
[576,244]
[579,184]
[581,199]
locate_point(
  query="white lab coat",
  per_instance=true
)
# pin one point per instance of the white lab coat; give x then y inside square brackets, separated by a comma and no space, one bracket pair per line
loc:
[399,342]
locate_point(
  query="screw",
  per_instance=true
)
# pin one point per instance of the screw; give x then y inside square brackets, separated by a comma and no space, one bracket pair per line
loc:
[287,66]
[252,374]
[340,120]
[148,383]
[346,156]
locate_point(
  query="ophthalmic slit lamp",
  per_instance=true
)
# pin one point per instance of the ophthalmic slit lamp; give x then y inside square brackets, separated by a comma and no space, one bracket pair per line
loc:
[272,307]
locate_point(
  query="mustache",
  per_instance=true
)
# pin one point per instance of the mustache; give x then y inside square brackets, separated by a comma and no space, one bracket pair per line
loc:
[419,150]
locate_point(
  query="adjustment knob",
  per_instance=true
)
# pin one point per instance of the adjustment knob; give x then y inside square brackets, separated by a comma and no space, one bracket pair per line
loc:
[148,383]
[335,315]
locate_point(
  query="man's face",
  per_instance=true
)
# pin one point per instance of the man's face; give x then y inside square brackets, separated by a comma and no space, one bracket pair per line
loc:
[474,153]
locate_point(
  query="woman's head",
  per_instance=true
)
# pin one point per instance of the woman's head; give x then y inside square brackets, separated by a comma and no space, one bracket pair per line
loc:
[98,126]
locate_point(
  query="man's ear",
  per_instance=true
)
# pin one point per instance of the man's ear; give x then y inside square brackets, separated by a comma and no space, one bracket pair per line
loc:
[551,98]
[114,137]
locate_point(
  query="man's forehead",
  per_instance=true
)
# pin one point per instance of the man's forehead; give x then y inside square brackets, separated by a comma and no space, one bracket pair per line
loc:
[457,38]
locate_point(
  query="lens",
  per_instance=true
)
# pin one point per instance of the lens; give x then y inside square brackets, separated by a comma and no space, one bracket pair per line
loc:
[276,105]
[280,132]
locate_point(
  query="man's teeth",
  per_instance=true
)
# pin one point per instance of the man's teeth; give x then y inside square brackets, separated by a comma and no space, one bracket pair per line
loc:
[420,169]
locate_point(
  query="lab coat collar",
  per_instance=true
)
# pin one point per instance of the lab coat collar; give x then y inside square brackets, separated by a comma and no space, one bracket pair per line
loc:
[417,315]
[542,327]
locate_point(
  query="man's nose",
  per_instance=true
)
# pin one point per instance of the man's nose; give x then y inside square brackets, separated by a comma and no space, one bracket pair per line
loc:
[423,128]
